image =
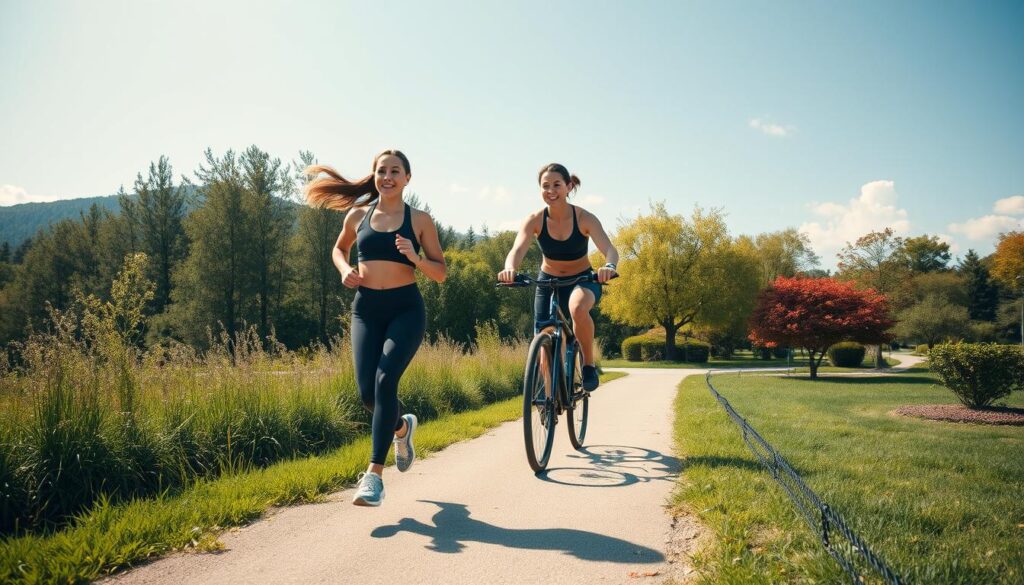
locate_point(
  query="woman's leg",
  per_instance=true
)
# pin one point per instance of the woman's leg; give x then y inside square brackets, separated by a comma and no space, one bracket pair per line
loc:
[401,340]
[580,302]
[368,335]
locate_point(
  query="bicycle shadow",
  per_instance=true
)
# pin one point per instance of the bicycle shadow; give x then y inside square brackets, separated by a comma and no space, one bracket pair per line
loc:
[453,526]
[614,466]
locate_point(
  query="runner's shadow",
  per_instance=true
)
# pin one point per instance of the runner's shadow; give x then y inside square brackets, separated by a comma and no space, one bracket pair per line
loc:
[452,528]
[614,466]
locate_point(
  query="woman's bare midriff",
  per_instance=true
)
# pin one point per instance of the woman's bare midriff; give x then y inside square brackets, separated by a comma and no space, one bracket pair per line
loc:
[565,267]
[382,274]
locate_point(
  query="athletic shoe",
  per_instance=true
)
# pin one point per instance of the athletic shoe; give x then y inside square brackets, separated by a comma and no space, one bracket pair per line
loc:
[590,379]
[370,491]
[405,452]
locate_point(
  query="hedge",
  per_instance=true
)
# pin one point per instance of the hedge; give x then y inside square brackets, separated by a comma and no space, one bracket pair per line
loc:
[846,354]
[649,348]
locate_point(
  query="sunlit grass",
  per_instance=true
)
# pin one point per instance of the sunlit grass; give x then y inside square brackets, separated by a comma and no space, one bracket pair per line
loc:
[941,502]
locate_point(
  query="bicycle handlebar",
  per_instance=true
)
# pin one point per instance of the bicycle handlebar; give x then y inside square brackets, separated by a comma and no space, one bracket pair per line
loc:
[525,280]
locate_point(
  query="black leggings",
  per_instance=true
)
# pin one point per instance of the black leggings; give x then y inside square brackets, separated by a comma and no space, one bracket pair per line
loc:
[387,329]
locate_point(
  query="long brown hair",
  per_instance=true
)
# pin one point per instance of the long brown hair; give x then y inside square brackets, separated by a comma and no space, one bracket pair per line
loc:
[571,181]
[337,192]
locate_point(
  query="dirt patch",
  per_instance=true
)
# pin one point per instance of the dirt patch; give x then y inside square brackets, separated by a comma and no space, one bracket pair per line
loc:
[995,415]
[685,539]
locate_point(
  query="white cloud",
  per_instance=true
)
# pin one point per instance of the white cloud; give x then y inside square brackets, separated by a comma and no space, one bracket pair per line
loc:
[987,227]
[770,128]
[457,189]
[875,209]
[1010,206]
[13,195]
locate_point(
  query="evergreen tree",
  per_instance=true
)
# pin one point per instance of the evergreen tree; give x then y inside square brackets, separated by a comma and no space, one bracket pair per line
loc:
[158,214]
[982,293]
[21,250]
[5,252]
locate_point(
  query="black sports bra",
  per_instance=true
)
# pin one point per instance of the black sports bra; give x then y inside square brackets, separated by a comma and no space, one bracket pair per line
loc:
[572,248]
[374,245]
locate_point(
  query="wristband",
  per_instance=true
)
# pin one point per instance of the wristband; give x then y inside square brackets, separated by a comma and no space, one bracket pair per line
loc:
[610,265]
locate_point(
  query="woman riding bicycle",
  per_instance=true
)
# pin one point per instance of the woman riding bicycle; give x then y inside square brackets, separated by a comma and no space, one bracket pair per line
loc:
[563,232]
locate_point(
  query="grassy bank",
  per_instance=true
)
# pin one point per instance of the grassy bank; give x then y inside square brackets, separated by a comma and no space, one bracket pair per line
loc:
[939,501]
[82,422]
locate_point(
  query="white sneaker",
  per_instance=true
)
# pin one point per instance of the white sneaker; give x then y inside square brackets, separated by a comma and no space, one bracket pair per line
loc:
[405,452]
[370,491]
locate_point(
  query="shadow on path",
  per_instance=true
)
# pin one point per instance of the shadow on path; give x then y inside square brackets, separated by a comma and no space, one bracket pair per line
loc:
[453,527]
[614,466]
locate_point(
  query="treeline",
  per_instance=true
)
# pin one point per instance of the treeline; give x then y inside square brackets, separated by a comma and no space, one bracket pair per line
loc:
[235,247]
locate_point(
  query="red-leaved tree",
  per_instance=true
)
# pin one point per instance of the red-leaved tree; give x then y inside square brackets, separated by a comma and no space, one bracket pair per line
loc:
[815,313]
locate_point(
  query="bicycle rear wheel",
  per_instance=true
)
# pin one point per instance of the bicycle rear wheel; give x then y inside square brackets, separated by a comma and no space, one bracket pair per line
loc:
[579,410]
[538,403]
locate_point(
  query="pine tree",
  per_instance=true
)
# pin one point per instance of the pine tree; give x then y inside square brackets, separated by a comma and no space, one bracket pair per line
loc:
[982,293]
[5,252]
[158,213]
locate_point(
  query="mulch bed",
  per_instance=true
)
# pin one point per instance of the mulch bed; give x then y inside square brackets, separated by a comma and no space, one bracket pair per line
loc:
[995,415]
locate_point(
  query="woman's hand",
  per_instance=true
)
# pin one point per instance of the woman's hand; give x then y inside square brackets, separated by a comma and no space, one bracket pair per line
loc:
[352,278]
[507,275]
[605,273]
[405,248]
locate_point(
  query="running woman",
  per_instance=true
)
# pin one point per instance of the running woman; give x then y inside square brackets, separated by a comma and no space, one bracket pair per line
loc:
[563,231]
[388,319]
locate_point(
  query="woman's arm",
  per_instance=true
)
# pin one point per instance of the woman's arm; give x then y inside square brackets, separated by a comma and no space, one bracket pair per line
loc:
[432,264]
[349,274]
[519,249]
[593,228]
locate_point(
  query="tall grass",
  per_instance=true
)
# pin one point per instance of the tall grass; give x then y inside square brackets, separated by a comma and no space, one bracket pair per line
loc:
[85,418]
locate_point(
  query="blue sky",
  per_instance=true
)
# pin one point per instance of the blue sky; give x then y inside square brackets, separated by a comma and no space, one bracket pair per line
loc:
[835,119]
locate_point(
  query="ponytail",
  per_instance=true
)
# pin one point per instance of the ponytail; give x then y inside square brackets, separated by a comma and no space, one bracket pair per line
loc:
[338,193]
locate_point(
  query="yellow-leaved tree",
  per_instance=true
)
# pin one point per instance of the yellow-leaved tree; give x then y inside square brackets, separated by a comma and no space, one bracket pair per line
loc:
[676,271]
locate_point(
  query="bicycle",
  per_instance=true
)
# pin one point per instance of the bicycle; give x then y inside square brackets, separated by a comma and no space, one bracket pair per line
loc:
[553,382]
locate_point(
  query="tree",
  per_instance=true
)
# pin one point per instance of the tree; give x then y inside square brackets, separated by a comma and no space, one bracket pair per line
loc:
[932,320]
[1008,260]
[211,285]
[267,184]
[784,253]
[816,313]
[874,261]
[675,272]
[156,217]
[320,288]
[982,294]
[5,252]
[925,254]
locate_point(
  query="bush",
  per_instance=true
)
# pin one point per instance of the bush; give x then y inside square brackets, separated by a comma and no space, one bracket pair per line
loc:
[649,348]
[978,373]
[780,352]
[846,354]
[921,349]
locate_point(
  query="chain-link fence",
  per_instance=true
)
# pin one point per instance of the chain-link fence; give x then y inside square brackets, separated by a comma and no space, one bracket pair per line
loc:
[848,549]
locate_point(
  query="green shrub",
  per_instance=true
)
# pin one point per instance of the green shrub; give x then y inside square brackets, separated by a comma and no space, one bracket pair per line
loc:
[921,349]
[846,354]
[978,373]
[780,352]
[650,348]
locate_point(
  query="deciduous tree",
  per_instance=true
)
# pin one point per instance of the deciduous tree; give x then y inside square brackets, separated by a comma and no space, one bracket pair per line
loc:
[815,313]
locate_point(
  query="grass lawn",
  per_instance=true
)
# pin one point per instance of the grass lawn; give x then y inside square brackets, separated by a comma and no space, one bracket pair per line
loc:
[940,502]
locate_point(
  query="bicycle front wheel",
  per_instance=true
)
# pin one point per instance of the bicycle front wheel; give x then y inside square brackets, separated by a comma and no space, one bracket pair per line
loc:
[538,403]
[579,401]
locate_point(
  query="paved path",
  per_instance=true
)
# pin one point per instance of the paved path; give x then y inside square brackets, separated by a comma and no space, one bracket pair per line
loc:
[475,513]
